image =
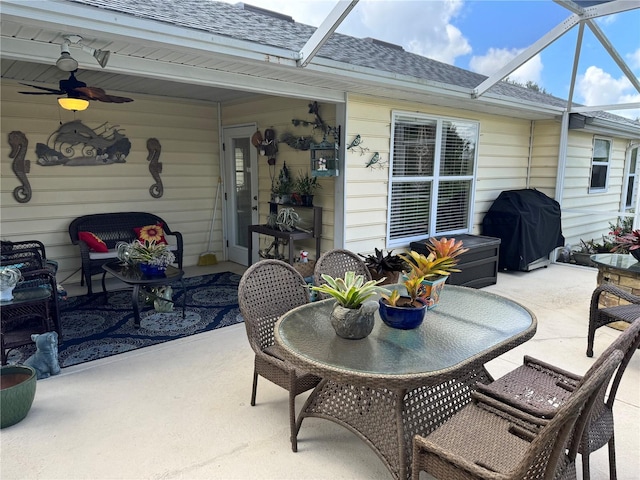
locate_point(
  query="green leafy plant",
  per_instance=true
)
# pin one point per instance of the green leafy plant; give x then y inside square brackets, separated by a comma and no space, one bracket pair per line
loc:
[148,252]
[305,184]
[413,284]
[351,291]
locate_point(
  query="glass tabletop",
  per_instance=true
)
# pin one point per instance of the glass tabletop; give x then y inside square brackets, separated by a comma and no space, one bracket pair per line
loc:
[466,323]
[617,260]
[27,295]
[131,273]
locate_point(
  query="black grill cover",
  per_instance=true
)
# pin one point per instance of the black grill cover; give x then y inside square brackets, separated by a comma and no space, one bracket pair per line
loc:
[528,224]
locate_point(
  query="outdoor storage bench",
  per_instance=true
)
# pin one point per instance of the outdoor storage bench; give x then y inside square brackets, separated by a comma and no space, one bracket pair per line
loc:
[112,228]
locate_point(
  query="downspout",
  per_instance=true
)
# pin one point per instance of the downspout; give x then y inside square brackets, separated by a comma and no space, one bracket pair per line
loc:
[562,157]
[530,159]
[225,244]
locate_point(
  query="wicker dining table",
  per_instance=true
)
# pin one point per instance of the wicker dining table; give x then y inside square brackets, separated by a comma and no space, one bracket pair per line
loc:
[395,384]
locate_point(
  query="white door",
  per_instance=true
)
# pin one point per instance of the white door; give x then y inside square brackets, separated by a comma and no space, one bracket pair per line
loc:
[241,167]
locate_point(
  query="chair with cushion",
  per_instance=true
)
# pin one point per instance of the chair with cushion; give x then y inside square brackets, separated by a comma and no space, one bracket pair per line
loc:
[599,316]
[34,307]
[540,389]
[491,440]
[336,263]
[268,289]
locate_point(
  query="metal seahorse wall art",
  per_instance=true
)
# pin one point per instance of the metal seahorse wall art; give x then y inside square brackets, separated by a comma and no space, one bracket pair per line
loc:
[20,166]
[155,167]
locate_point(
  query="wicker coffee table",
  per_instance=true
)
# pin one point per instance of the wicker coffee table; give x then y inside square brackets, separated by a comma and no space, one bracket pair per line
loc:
[394,384]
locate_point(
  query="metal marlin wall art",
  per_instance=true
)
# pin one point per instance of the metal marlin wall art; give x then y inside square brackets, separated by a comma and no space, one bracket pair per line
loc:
[75,144]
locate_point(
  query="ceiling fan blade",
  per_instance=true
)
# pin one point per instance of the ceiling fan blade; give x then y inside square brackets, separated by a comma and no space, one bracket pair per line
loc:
[42,93]
[51,91]
[96,93]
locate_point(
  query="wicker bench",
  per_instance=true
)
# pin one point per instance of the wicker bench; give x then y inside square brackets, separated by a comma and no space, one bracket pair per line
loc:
[113,228]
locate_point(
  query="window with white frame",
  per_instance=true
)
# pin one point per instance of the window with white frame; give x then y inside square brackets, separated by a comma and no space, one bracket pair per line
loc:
[630,192]
[432,177]
[600,161]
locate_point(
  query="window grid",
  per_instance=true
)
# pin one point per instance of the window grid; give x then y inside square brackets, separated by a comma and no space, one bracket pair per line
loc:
[432,177]
[600,162]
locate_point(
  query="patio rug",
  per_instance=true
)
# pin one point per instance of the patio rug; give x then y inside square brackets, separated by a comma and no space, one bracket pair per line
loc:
[93,328]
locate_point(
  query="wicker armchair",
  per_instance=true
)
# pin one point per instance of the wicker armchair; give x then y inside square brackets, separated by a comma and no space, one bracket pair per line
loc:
[600,316]
[540,389]
[268,289]
[34,308]
[336,263]
[489,440]
[11,246]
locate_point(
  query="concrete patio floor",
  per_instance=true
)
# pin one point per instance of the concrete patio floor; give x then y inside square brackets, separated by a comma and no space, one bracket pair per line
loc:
[180,410]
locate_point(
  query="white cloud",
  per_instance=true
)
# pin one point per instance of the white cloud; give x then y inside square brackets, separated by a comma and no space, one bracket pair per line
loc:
[496,58]
[634,59]
[597,87]
[423,28]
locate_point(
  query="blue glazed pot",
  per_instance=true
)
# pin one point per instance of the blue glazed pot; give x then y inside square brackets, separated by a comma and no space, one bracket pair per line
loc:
[404,318]
[152,270]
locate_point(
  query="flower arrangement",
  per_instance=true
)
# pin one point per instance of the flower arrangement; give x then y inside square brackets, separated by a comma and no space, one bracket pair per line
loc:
[147,252]
[627,243]
[351,291]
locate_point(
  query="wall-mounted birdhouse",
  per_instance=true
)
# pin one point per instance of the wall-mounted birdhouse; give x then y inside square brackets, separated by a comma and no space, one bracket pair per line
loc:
[324,159]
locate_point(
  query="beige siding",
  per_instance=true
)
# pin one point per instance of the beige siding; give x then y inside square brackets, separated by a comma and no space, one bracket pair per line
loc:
[602,207]
[187,131]
[502,164]
[278,113]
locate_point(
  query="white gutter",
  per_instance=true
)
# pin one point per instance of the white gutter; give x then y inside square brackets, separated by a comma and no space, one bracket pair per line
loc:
[83,20]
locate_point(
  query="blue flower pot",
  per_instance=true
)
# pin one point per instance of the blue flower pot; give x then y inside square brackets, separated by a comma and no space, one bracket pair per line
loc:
[404,318]
[152,270]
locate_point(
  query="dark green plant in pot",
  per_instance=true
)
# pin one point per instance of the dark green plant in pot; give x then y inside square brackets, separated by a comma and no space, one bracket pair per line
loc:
[381,262]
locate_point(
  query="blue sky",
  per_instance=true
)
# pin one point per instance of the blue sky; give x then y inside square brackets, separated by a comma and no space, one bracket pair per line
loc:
[482,35]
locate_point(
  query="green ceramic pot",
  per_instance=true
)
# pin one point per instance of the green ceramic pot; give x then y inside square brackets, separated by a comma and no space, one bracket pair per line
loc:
[18,390]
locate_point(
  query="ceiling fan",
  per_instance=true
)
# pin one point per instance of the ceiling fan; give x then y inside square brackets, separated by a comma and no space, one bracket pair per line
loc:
[74,88]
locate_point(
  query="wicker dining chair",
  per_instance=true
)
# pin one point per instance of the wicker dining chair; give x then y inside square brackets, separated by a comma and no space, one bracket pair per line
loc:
[268,289]
[336,263]
[600,316]
[488,439]
[539,389]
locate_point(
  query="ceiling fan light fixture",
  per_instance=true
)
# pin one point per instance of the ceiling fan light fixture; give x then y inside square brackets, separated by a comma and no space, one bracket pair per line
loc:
[75,104]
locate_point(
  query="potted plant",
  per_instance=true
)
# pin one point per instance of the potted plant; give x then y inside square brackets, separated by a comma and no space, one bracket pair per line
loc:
[305,186]
[151,257]
[9,278]
[404,312]
[352,316]
[436,266]
[629,242]
[283,188]
[385,266]
[17,391]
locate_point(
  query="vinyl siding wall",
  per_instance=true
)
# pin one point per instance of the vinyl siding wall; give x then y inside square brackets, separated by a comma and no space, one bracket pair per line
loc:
[188,135]
[503,152]
[587,215]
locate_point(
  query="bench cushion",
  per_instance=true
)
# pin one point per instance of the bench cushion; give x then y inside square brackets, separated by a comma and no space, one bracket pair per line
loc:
[94,242]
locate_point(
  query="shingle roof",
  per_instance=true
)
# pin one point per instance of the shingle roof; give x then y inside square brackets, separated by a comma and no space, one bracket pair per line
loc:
[235,22]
